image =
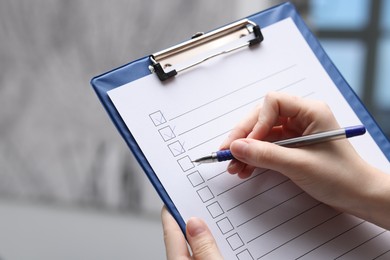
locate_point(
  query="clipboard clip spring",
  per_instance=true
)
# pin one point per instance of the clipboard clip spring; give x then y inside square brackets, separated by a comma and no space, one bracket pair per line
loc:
[163,60]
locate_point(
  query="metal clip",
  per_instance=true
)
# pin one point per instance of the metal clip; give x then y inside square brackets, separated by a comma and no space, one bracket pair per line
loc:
[163,60]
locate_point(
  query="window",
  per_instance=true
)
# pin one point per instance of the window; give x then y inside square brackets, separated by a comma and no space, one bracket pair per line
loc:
[356,36]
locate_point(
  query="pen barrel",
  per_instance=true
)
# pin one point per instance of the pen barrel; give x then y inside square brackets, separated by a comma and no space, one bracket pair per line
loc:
[224,155]
[313,138]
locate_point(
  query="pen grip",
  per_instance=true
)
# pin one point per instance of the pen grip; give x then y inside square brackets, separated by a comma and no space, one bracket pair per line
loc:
[224,155]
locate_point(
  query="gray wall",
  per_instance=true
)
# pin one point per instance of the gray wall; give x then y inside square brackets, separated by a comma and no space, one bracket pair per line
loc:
[56,142]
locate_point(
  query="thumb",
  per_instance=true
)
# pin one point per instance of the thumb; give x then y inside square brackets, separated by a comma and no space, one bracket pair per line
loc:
[201,240]
[265,155]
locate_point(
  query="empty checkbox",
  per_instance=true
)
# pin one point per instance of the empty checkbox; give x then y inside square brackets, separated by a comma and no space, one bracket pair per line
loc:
[244,255]
[195,178]
[215,209]
[205,194]
[225,225]
[185,163]
[235,241]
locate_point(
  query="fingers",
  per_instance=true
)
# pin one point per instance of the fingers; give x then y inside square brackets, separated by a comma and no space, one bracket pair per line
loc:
[259,123]
[264,155]
[277,109]
[241,168]
[242,129]
[281,116]
[175,243]
[300,115]
[201,240]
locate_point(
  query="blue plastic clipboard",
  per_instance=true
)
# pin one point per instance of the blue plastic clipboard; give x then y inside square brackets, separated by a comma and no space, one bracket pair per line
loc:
[140,68]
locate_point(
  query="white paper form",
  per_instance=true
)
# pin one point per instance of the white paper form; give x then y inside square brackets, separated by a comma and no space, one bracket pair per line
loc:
[265,216]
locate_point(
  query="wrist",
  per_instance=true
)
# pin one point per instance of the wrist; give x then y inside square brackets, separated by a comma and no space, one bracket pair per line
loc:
[373,202]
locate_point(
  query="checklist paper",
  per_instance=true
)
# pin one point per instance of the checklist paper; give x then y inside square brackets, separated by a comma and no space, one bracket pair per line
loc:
[265,216]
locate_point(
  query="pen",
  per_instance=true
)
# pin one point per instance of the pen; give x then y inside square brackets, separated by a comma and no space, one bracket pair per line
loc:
[347,132]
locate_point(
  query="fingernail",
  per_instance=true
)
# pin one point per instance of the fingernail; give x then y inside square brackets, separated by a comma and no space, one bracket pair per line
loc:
[195,227]
[224,144]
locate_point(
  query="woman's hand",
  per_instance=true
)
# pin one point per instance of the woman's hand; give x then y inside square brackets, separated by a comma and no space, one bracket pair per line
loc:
[200,239]
[331,172]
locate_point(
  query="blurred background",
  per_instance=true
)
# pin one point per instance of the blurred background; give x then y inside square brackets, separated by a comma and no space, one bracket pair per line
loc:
[69,186]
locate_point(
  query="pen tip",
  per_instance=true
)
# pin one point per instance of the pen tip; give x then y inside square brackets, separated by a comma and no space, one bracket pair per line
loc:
[202,159]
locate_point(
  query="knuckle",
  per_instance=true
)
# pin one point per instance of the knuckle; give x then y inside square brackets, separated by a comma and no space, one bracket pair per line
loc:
[322,114]
[270,98]
[272,95]
[239,131]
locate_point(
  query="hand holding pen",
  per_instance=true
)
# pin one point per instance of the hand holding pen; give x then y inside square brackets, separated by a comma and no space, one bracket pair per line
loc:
[326,136]
[331,172]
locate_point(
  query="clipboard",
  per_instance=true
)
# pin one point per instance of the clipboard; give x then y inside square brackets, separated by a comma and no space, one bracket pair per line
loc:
[159,64]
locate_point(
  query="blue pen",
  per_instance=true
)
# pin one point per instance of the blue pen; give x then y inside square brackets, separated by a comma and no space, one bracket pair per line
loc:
[347,132]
